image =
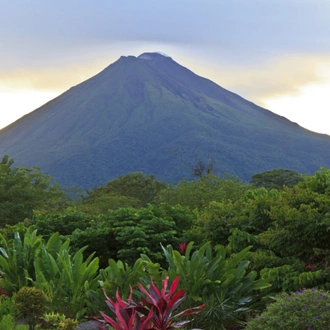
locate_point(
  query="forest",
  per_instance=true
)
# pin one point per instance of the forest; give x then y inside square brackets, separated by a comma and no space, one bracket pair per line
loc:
[240,255]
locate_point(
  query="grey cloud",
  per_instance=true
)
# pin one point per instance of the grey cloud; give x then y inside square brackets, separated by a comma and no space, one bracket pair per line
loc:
[272,25]
[244,35]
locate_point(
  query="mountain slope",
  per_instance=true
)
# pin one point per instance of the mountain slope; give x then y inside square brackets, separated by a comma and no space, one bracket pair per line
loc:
[146,113]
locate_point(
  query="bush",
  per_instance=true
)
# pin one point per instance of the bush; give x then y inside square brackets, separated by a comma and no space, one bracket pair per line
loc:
[127,232]
[64,222]
[59,322]
[152,312]
[17,258]
[31,304]
[302,310]
[6,305]
[222,281]
[8,322]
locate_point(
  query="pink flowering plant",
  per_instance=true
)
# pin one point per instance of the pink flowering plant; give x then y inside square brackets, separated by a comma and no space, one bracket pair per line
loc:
[152,312]
[307,309]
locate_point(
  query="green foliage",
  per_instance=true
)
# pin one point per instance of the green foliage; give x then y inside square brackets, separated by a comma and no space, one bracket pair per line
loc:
[127,232]
[181,215]
[98,238]
[8,322]
[65,277]
[258,204]
[249,214]
[31,303]
[265,258]
[295,275]
[52,319]
[107,201]
[132,189]
[58,321]
[288,230]
[64,222]
[319,182]
[223,283]
[68,324]
[238,240]
[142,232]
[8,232]
[200,192]
[302,310]
[218,219]
[116,277]
[6,306]
[301,220]
[17,258]
[24,190]
[276,179]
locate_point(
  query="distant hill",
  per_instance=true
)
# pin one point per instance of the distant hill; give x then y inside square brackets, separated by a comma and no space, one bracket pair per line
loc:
[150,114]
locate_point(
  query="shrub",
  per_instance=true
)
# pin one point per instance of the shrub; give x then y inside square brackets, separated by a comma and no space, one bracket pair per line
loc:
[17,260]
[49,265]
[66,278]
[62,222]
[52,320]
[8,322]
[153,312]
[59,322]
[31,304]
[303,310]
[220,279]
[68,324]
[6,305]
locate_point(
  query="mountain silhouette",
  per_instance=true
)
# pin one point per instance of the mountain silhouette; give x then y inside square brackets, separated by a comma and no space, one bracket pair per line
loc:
[150,114]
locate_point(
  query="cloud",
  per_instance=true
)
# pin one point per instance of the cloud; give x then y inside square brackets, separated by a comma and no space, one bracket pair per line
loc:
[271,78]
[34,29]
[62,72]
[47,38]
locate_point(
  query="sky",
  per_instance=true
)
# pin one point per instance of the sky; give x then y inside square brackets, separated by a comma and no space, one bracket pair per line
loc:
[275,53]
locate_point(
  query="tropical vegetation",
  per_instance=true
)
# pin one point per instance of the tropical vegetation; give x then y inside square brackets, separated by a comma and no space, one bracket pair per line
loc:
[137,253]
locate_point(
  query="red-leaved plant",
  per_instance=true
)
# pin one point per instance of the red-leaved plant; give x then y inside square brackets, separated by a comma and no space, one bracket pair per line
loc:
[182,248]
[154,312]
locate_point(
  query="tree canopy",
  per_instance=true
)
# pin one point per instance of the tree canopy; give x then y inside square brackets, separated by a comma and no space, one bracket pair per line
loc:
[276,179]
[24,190]
[133,189]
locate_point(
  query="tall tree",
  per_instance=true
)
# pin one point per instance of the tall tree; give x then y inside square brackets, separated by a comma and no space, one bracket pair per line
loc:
[276,179]
[200,192]
[24,190]
[138,188]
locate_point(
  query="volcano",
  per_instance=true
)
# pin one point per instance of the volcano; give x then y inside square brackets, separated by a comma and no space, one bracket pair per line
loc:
[152,115]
